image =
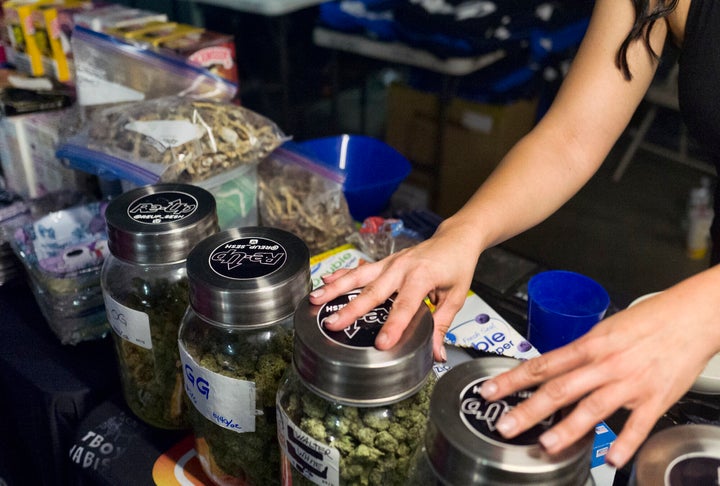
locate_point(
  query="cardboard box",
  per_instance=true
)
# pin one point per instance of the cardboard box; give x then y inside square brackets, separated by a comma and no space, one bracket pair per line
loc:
[475,138]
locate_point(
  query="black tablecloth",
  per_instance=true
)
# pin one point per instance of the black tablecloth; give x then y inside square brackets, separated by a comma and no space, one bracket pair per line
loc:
[47,388]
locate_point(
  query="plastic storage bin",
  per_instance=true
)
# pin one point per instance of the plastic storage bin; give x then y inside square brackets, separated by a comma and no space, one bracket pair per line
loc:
[372,169]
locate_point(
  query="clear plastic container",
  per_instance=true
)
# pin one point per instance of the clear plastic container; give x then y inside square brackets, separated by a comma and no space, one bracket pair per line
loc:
[462,447]
[236,343]
[151,230]
[63,253]
[349,413]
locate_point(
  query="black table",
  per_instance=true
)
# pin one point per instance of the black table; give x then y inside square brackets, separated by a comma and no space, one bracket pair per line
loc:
[47,389]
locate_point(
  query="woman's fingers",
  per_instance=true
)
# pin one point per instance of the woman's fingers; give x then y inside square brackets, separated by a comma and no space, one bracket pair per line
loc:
[558,393]
[535,371]
[345,280]
[634,432]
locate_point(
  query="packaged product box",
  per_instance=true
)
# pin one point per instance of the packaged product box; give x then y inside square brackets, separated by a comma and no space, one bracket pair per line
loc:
[156,33]
[210,50]
[345,256]
[137,30]
[26,54]
[27,153]
[53,25]
[475,137]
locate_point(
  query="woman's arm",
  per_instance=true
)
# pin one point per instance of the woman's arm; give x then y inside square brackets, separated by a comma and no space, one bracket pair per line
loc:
[544,170]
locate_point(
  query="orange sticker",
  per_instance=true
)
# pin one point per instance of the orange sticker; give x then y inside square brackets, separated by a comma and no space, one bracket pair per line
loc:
[180,465]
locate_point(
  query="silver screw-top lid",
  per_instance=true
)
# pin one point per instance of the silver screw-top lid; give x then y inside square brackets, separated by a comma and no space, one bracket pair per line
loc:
[463,446]
[159,223]
[345,367]
[683,455]
[249,276]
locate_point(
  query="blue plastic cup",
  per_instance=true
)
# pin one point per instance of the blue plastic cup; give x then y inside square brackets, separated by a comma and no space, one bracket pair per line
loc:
[562,306]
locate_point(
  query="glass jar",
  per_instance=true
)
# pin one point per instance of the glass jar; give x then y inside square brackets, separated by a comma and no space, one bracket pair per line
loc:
[349,413]
[461,446]
[151,230]
[687,454]
[236,342]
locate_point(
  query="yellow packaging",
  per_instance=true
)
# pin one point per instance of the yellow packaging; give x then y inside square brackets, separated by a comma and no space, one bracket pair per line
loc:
[47,39]
[157,37]
[135,31]
[18,18]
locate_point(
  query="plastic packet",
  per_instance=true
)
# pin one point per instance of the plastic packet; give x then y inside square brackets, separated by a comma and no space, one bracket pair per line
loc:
[110,70]
[63,252]
[379,237]
[304,197]
[170,139]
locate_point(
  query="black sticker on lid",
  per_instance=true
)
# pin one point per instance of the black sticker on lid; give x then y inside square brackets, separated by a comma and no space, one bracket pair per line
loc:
[693,470]
[247,258]
[362,333]
[162,207]
[481,416]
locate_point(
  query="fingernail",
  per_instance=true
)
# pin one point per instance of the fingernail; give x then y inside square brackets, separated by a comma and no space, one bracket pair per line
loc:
[443,354]
[549,440]
[612,458]
[317,293]
[488,389]
[331,319]
[506,425]
[382,339]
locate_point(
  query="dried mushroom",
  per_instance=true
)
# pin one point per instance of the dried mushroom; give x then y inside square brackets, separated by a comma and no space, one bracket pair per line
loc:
[191,139]
[297,199]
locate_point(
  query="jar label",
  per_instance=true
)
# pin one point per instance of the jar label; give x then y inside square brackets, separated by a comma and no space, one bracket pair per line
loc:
[224,401]
[318,462]
[162,207]
[129,324]
[247,258]
[694,468]
[480,416]
[362,333]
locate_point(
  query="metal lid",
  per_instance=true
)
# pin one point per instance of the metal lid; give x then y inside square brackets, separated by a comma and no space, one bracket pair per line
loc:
[683,455]
[346,367]
[464,447]
[159,223]
[248,276]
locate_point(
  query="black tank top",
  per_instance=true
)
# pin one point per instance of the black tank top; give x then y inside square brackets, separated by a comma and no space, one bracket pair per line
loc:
[699,89]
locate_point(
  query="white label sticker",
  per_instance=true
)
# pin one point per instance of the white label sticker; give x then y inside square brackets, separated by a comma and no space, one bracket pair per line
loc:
[225,401]
[167,133]
[318,462]
[33,84]
[129,324]
[92,90]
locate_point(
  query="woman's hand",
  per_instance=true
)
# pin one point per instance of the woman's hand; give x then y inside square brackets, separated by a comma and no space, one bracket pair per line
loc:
[643,359]
[440,268]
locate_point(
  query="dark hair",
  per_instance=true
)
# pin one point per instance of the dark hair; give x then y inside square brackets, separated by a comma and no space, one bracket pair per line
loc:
[644,22]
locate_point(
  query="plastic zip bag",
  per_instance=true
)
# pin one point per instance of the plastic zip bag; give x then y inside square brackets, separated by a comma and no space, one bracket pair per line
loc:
[110,70]
[304,197]
[171,139]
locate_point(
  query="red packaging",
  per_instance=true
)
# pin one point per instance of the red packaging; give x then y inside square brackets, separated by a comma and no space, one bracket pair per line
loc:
[211,50]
